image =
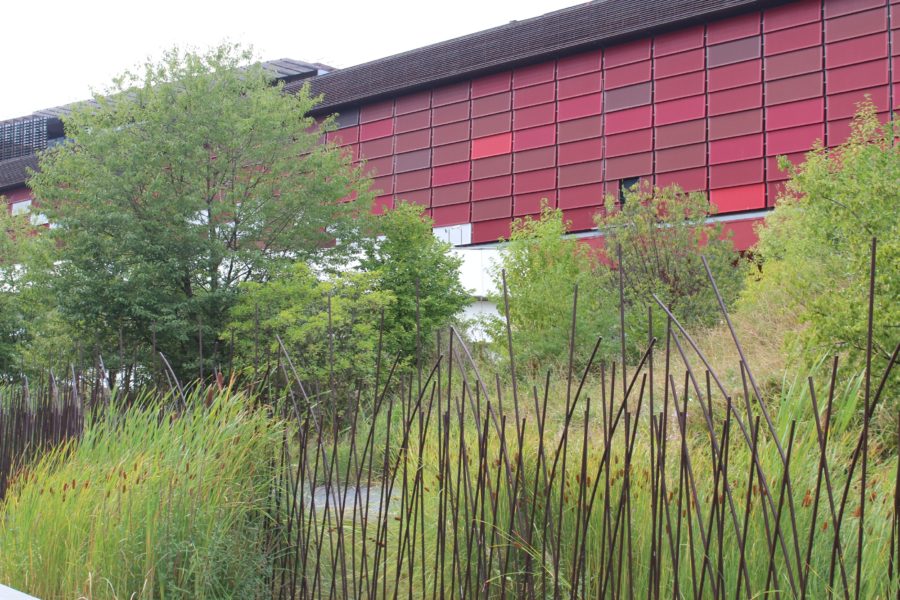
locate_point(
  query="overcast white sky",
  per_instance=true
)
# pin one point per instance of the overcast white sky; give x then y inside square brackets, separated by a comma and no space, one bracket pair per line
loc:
[55,52]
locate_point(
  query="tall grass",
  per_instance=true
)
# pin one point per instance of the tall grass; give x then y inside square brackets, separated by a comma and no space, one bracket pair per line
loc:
[149,504]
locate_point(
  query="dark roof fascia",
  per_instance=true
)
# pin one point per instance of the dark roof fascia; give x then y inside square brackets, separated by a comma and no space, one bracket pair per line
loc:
[14,172]
[388,77]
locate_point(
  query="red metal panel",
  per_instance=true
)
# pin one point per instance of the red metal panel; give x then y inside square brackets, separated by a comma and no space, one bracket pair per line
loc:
[681,134]
[449,94]
[678,41]
[529,204]
[376,112]
[681,158]
[796,139]
[629,166]
[343,137]
[676,64]
[690,180]
[578,64]
[381,204]
[628,74]
[737,173]
[794,63]
[535,137]
[580,85]
[448,174]
[543,114]
[735,100]
[681,86]
[451,153]
[856,77]
[630,142]
[857,50]
[581,196]
[580,129]
[676,111]
[734,199]
[582,106]
[803,112]
[580,174]
[413,102]
[575,152]
[492,124]
[734,52]
[352,151]
[490,231]
[376,129]
[492,145]
[420,197]
[536,94]
[412,121]
[628,97]
[450,133]
[735,124]
[450,194]
[487,105]
[733,28]
[383,185]
[491,209]
[534,181]
[793,89]
[492,167]
[377,148]
[774,191]
[450,215]
[413,140]
[794,38]
[844,105]
[492,188]
[534,74]
[627,53]
[412,161]
[792,14]
[735,149]
[736,75]
[492,84]
[414,180]
[532,160]
[743,233]
[380,166]
[450,113]
[838,131]
[627,120]
[855,25]
[581,219]
[774,171]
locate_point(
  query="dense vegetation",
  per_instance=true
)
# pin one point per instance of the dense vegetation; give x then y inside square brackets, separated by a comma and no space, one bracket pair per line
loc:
[225,379]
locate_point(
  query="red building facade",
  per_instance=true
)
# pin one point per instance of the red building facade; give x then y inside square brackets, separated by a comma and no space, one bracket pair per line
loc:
[708,106]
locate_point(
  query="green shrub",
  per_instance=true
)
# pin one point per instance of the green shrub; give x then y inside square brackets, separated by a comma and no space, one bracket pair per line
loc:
[814,250]
[542,268]
[147,505]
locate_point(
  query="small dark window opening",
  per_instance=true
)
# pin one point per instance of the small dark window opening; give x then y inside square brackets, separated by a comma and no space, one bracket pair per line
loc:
[627,184]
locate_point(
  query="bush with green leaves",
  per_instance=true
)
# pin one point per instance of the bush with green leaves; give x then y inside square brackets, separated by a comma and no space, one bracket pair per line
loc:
[542,268]
[663,233]
[422,275]
[329,325]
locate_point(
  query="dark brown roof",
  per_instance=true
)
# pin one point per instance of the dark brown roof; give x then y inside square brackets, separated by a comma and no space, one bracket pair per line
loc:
[557,33]
[13,172]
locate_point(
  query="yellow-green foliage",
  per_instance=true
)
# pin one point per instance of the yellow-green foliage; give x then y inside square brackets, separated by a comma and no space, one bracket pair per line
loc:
[148,505]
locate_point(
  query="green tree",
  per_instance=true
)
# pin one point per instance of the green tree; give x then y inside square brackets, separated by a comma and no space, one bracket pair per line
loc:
[814,250]
[542,268]
[184,180]
[330,326]
[420,272]
[663,232]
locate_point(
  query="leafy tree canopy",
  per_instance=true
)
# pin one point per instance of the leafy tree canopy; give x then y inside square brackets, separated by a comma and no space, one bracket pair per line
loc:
[187,178]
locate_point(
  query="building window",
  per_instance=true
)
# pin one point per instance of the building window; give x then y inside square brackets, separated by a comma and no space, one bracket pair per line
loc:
[626,185]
